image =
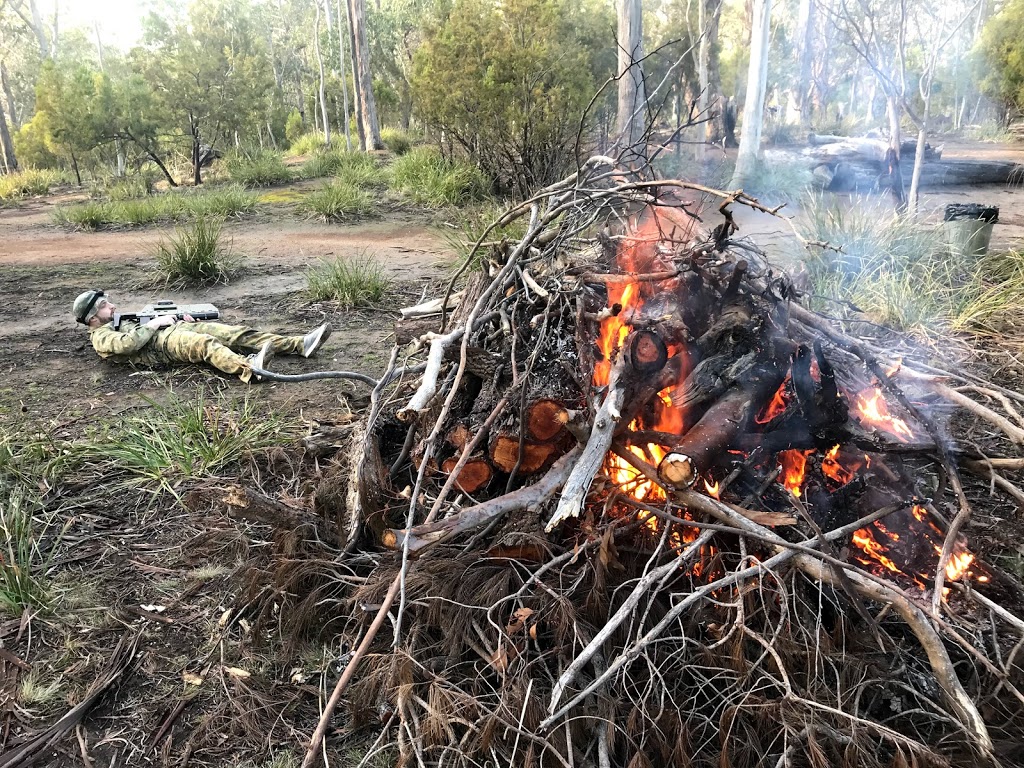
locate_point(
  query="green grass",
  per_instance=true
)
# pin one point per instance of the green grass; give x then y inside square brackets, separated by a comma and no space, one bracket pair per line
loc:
[257,168]
[350,282]
[468,223]
[901,273]
[169,444]
[306,144]
[229,200]
[357,168]
[15,186]
[425,177]
[195,255]
[22,563]
[337,200]
[125,188]
[397,141]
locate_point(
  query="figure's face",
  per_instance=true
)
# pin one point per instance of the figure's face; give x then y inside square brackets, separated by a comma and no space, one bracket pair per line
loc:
[105,311]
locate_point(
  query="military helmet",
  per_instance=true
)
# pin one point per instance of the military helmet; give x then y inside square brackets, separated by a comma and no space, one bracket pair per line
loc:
[86,305]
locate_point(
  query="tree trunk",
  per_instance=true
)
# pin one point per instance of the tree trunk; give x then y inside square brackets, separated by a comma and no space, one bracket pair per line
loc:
[344,79]
[753,105]
[152,156]
[12,112]
[364,81]
[704,87]
[323,88]
[806,25]
[356,93]
[922,136]
[630,115]
[10,161]
[74,165]
[37,28]
[197,169]
[715,128]
[892,157]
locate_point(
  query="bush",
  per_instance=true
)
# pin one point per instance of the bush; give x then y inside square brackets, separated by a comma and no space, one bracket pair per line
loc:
[83,217]
[195,256]
[350,282]
[14,186]
[293,127]
[337,200]
[129,187]
[307,144]
[257,168]
[397,141]
[515,99]
[425,177]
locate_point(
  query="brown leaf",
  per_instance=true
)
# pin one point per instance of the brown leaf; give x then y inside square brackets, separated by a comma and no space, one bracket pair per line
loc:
[518,620]
[608,554]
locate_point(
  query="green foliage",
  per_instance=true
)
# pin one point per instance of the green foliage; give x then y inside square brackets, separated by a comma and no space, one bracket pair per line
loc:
[293,127]
[509,83]
[168,444]
[470,222]
[258,168]
[225,201]
[306,144]
[14,186]
[397,141]
[425,176]
[1002,45]
[195,255]
[31,143]
[132,187]
[350,282]
[337,200]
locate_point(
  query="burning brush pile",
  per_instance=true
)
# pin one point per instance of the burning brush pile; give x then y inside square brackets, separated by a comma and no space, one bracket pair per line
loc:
[628,502]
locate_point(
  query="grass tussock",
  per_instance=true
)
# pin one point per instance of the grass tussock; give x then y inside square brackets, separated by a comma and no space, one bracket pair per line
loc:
[356,168]
[116,189]
[337,200]
[22,565]
[196,255]
[227,201]
[426,177]
[26,183]
[466,225]
[350,282]
[396,140]
[900,272]
[170,444]
[257,168]
[306,144]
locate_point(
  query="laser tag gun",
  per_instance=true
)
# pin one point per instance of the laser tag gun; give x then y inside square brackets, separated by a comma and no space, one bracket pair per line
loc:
[167,307]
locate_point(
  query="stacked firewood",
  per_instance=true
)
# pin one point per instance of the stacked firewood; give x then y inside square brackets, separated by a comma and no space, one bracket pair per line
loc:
[623,400]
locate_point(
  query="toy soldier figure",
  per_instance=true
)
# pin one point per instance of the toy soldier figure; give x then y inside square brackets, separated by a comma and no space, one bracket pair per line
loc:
[173,338]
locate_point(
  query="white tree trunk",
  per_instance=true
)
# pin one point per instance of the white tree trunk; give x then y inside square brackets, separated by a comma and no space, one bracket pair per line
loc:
[364,82]
[753,105]
[703,53]
[805,25]
[323,89]
[630,117]
[344,77]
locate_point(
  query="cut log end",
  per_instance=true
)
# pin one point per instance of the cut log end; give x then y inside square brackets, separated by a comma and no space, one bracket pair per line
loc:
[504,453]
[677,470]
[545,419]
[476,474]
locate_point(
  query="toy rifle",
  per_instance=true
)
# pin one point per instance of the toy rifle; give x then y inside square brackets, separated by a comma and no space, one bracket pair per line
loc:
[167,307]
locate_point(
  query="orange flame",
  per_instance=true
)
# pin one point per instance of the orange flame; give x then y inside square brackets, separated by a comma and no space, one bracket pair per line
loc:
[794,467]
[874,411]
[777,406]
[713,489]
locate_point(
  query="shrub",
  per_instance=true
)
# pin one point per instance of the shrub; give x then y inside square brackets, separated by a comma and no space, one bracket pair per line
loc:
[129,187]
[515,99]
[350,282]
[426,177]
[293,127]
[470,222]
[194,255]
[397,141]
[337,200]
[307,144]
[257,168]
[356,168]
[85,216]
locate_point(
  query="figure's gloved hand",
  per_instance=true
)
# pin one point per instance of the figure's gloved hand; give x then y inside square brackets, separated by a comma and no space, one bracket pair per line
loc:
[187,318]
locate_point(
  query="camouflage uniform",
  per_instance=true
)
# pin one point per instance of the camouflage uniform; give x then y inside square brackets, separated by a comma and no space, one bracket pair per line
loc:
[202,342]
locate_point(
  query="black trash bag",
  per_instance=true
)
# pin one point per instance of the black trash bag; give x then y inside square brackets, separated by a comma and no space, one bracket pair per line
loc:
[971,212]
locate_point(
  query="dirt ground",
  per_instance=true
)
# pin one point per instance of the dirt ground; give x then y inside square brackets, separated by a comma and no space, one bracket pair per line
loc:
[52,381]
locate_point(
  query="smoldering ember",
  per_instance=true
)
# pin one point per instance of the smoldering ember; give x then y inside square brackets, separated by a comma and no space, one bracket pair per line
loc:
[624,499]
